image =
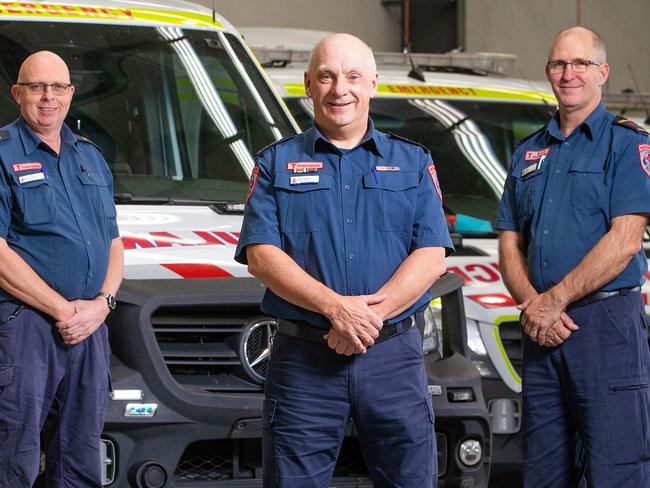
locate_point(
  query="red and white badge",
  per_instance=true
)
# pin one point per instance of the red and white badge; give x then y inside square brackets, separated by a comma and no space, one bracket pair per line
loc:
[304,166]
[535,155]
[434,177]
[27,166]
[252,183]
[644,156]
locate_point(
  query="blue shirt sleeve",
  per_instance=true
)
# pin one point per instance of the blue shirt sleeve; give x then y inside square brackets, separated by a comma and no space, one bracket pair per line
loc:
[429,225]
[631,177]
[5,203]
[260,215]
[507,217]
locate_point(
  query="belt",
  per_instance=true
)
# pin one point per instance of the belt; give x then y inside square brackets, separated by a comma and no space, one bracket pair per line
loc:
[301,329]
[601,295]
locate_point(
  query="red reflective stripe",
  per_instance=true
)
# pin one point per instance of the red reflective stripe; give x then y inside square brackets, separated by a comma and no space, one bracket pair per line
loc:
[197,270]
[208,237]
[226,237]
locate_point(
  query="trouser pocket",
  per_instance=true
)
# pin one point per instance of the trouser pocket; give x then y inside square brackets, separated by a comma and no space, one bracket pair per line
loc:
[628,411]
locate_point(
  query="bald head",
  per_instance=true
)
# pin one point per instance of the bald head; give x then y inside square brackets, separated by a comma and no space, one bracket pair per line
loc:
[582,33]
[38,62]
[348,41]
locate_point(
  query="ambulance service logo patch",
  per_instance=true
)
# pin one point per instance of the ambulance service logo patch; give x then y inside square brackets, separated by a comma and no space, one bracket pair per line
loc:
[644,155]
[537,155]
[434,178]
[252,183]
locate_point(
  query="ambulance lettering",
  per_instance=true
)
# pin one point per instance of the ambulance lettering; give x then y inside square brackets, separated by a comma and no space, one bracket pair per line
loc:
[160,239]
[472,273]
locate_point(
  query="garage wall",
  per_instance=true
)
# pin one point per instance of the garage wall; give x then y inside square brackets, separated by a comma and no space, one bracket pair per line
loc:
[521,27]
[526,28]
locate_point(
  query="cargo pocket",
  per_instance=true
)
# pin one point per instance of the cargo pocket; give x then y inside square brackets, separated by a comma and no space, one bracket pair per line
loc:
[628,411]
[431,447]
[393,196]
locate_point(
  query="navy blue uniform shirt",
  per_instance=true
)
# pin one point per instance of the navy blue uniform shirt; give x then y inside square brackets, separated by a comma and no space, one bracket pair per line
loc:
[57,212]
[349,218]
[563,192]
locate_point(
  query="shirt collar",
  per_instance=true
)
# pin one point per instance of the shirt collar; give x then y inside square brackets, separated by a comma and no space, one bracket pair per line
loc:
[590,124]
[372,140]
[31,141]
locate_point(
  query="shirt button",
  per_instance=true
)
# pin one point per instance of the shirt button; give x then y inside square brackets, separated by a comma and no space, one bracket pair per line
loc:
[566,143]
[351,256]
[545,265]
[349,221]
[78,214]
[90,275]
[89,243]
[550,200]
[546,232]
[347,187]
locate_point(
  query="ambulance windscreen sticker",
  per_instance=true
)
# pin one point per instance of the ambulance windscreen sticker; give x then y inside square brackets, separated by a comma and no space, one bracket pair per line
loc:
[252,183]
[434,178]
[644,155]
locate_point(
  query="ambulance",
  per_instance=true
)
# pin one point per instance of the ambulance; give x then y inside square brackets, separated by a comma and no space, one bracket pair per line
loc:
[469,110]
[178,105]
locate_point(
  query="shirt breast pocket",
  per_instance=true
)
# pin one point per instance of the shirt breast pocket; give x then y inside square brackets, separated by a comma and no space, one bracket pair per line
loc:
[527,189]
[35,201]
[303,207]
[588,185]
[97,187]
[392,197]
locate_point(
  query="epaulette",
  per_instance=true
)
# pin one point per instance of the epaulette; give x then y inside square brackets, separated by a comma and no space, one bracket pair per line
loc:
[275,143]
[628,124]
[404,139]
[529,136]
[4,135]
[88,141]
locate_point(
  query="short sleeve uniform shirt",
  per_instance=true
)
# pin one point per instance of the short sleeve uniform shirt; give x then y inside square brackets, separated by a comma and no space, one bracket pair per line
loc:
[349,218]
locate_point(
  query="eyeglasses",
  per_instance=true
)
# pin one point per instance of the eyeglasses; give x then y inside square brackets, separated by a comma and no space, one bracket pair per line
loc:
[578,65]
[39,88]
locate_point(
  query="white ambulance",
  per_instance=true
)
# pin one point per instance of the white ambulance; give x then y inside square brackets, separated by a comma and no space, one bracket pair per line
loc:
[469,110]
[178,106]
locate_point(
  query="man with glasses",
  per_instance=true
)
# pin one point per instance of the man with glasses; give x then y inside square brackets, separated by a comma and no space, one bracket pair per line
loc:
[61,263]
[572,217]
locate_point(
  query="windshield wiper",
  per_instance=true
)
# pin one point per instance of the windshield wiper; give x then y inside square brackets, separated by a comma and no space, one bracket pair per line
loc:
[219,206]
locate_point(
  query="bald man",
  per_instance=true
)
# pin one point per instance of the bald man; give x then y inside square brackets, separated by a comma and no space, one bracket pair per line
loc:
[344,224]
[61,263]
[572,217]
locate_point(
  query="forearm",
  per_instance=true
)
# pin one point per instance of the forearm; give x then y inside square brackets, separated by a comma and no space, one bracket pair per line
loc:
[606,260]
[285,278]
[514,266]
[20,281]
[115,271]
[410,281]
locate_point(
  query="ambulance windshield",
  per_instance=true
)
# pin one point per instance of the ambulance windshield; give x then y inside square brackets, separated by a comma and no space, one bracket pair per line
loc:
[471,143]
[177,113]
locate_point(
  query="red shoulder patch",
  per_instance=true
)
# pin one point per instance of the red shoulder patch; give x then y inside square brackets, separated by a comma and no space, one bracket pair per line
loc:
[434,177]
[252,183]
[644,156]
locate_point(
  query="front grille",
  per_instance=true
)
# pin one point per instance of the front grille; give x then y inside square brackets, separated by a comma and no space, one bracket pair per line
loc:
[510,334]
[205,348]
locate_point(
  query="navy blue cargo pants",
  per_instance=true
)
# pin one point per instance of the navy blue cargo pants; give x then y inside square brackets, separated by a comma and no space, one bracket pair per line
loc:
[311,392]
[42,379]
[587,402]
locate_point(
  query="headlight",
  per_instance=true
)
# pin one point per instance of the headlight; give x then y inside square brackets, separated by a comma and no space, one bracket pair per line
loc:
[478,352]
[432,327]
[470,452]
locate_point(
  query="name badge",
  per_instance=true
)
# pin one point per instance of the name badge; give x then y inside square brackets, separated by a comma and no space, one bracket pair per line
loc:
[304,166]
[32,177]
[386,168]
[528,169]
[301,180]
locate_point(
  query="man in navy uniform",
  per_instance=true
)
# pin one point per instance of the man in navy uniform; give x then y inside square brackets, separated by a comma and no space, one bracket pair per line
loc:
[61,263]
[572,217]
[344,224]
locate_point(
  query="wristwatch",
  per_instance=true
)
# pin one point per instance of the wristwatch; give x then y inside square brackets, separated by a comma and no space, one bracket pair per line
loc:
[110,300]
